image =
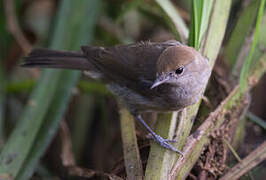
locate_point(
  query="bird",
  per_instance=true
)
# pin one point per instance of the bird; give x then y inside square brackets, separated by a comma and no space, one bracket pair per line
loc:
[145,76]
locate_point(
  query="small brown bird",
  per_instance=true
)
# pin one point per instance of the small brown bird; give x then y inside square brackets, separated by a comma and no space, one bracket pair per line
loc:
[146,76]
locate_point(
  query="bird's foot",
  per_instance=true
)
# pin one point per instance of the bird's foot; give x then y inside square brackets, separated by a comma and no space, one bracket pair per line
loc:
[150,136]
[165,143]
[161,141]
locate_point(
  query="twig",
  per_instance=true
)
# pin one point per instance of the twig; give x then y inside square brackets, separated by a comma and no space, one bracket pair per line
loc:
[69,162]
[66,154]
[233,151]
[13,27]
[253,159]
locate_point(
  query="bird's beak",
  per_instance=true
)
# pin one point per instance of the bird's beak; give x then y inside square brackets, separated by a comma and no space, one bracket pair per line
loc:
[160,80]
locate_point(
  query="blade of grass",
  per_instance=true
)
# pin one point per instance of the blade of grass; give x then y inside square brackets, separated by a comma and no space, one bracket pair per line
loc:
[49,126]
[260,122]
[158,165]
[247,64]
[260,48]
[133,162]
[21,154]
[78,12]
[258,52]
[16,149]
[216,30]
[245,49]
[204,20]
[179,26]
[194,31]
[201,10]
[237,37]
[233,151]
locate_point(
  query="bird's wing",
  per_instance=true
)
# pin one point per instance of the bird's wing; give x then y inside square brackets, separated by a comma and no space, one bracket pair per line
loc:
[127,64]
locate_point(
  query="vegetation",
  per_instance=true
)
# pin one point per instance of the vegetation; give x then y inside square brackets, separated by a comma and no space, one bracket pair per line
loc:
[58,123]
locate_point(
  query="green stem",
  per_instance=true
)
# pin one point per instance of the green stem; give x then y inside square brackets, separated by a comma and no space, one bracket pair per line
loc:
[133,162]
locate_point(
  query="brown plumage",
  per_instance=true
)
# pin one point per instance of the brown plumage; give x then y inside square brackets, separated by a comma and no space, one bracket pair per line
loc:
[115,61]
[146,76]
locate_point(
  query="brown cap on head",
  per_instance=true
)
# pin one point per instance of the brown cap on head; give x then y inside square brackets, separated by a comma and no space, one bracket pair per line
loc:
[175,57]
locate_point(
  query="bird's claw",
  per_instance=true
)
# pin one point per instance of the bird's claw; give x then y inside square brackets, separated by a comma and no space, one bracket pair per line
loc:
[170,140]
[165,143]
[154,137]
[161,141]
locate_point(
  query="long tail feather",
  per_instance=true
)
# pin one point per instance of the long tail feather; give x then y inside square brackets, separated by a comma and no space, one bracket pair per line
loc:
[57,59]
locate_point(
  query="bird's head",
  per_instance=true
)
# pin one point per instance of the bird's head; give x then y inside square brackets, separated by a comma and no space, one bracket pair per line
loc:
[181,66]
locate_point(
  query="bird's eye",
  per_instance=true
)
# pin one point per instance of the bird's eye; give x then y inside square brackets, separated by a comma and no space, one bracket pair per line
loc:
[179,70]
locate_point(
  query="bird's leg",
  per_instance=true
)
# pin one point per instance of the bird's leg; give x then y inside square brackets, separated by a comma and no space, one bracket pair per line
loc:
[160,140]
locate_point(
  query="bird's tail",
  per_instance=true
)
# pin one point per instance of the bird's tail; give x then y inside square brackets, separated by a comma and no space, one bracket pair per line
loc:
[56,59]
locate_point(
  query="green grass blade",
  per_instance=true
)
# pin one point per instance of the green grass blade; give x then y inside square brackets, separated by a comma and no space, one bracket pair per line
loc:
[259,52]
[160,159]
[175,19]
[74,27]
[68,79]
[204,21]
[133,164]
[20,142]
[246,67]
[260,122]
[216,30]
[50,125]
[201,10]
[196,7]
[237,37]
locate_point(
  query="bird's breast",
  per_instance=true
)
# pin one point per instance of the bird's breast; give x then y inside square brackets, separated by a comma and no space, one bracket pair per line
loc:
[163,98]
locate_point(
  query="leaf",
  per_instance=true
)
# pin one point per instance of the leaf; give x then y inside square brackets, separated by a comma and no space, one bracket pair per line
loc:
[201,10]
[39,122]
[246,67]
[179,26]
[237,37]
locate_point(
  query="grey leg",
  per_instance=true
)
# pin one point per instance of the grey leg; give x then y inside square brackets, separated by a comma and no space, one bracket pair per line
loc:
[161,141]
